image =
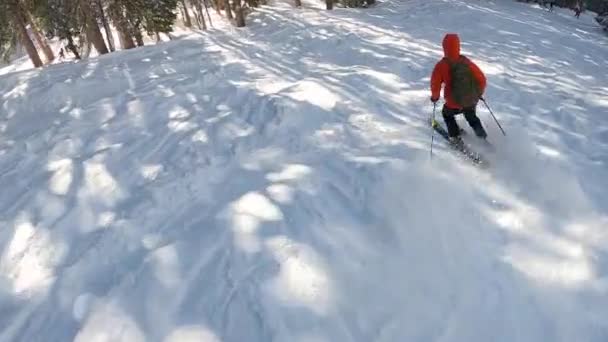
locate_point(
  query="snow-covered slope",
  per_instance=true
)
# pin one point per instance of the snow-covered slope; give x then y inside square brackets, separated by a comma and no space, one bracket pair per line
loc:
[274,184]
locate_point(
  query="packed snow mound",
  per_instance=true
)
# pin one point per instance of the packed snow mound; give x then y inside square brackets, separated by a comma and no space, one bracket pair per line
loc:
[274,184]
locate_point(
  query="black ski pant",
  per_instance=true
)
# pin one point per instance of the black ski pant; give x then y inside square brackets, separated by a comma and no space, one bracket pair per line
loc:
[449,116]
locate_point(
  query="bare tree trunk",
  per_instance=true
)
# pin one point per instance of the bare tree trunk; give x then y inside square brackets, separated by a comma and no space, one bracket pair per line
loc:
[187,20]
[126,41]
[298,3]
[125,36]
[86,50]
[18,20]
[197,15]
[197,19]
[106,26]
[218,5]
[228,10]
[240,17]
[329,4]
[200,15]
[92,29]
[207,10]
[40,39]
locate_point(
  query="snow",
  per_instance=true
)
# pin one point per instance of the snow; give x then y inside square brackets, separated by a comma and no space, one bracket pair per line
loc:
[274,184]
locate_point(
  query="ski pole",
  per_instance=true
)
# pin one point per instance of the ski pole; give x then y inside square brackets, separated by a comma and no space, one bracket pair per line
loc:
[496,120]
[433,128]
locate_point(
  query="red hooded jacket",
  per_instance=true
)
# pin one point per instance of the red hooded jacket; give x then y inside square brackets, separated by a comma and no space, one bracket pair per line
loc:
[441,73]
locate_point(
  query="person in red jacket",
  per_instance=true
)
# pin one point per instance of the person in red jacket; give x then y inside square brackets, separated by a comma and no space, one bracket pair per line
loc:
[442,75]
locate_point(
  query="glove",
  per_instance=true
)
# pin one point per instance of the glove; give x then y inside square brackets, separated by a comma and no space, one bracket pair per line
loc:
[434,99]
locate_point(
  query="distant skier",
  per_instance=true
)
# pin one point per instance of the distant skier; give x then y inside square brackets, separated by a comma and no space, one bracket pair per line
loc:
[577,10]
[551,4]
[464,83]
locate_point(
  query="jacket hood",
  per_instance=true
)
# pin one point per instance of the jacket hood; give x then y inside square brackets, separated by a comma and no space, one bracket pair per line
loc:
[451,46]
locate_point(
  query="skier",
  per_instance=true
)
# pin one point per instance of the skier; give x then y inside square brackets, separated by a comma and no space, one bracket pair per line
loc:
[464,86]
[577,10]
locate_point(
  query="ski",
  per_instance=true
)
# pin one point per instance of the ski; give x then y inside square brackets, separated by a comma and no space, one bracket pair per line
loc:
[462,148]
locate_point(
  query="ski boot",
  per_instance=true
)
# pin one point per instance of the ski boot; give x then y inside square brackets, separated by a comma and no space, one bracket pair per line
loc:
[457,142]
[480,132]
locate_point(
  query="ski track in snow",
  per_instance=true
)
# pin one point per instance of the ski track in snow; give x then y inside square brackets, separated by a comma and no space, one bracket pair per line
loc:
[274,184]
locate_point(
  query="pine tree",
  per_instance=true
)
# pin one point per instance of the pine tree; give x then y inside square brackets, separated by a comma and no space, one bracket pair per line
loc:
[159,16]
[8,41]
[238,13]
[357,3]
[199,14]
[118,11]
[228,10]
[40,38]
[91,27]
[187,20]
[32,10]
[207,10]
[13,19]
[598,6]
[105,24]
[132,16]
